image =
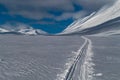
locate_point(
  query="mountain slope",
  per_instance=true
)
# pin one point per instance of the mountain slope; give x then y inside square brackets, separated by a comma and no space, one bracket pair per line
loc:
[20,28]
[106,19]
[3,30]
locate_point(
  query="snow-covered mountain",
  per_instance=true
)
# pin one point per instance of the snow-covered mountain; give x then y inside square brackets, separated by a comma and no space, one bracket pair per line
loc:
[3,30]
[31,31]
[106,20]
[19,28]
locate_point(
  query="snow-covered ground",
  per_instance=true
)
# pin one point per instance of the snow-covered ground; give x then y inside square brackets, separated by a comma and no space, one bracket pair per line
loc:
[106,57]
[36,57]
[59,57]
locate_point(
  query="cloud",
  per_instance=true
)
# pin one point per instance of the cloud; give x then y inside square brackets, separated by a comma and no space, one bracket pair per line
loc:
[74,15]
[92,5]
[37,9]
[40,9]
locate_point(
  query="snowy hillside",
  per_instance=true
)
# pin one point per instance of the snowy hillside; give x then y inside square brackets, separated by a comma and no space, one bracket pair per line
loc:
[108,18]
[20,28]
[3,30]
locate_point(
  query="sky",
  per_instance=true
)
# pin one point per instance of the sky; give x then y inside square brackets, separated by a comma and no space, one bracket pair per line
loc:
[52,16]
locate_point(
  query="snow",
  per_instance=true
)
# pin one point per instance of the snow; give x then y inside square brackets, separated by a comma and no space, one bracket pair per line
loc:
[74,26]
[108,33]
[28,31]
[98,74]
[95,19]
[41,32]
[87,66]
[3,30]
[35,57]
[20,28]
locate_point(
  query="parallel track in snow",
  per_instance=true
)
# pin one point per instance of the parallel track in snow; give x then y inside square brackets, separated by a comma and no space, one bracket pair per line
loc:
[85,55]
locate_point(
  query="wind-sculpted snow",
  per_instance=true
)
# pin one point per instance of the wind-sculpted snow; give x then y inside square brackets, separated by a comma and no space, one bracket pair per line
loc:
[104,20]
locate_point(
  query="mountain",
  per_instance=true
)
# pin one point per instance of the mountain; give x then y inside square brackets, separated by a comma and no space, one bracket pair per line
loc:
[3,30]
[20,28]
[106,20]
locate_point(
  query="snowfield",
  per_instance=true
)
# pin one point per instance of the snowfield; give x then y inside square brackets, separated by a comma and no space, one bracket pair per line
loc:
[59,57]
[36,57]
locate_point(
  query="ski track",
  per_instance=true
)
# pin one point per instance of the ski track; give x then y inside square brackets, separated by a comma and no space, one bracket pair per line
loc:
[87,70]
[84,56]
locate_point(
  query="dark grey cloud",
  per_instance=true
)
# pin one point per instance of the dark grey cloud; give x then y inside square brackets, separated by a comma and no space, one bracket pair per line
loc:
[39,9]
[92,5]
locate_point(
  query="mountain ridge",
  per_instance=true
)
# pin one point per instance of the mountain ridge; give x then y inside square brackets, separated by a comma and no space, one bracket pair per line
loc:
[103,20]
[21,29]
